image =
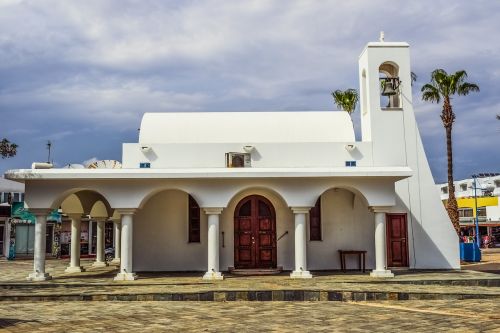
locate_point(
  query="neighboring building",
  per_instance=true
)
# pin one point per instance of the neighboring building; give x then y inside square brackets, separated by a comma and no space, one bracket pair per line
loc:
[484,198]
[17,224]
[209,191]
[10,192]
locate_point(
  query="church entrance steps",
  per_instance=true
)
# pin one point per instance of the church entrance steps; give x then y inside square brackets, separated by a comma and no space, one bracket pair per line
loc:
[256,271]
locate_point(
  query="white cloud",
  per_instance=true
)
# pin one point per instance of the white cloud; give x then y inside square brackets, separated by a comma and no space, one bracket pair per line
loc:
[101,64]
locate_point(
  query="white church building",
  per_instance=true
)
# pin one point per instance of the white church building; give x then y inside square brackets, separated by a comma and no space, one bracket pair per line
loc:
[213,191]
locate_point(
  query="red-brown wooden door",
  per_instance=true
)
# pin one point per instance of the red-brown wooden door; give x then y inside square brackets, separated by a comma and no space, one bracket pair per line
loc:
[254,233]
[397,240]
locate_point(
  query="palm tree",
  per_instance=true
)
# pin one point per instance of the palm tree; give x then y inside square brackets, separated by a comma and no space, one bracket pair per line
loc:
[346,100]
[413,78]
[442,87]
[7,148]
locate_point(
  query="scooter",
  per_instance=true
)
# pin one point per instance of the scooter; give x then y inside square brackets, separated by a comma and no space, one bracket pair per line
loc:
[109,253]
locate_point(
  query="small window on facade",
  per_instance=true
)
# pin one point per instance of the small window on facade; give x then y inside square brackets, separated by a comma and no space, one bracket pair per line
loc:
[463,187]
[465,212]
[444,189]
[315,221]
[481,211]
[194,220]
[17,197]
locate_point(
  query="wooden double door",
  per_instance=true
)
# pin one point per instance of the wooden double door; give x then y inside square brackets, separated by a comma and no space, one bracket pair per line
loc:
[254,233]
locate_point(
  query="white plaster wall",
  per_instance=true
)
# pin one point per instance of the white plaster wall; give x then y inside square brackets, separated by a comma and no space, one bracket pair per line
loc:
[493,212]
[433,242]
[284,222]
[346,224]
[131,193]
[160,238]
[264,155]
[249,127]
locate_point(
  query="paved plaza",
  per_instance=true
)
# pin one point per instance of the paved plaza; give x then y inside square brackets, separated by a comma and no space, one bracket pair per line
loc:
[410,316]
[98,282]
[441,312]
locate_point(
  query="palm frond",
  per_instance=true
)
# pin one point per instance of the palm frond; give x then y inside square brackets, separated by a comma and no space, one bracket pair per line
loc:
[466,88]
[430,93]
[413,77]
[346,100]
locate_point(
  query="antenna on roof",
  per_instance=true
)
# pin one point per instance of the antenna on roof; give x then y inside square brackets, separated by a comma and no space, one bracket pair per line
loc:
[49,146]
[382,36]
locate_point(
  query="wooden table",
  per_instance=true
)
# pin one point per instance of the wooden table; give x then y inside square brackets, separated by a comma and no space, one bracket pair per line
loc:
[361,256]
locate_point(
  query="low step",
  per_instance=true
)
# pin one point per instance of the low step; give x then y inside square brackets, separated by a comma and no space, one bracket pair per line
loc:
[252,295]
[255,271]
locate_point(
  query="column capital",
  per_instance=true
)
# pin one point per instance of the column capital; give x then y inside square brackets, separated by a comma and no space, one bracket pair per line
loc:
[40,211]
[213,210]
[126,211]
[300,210]
[380,209]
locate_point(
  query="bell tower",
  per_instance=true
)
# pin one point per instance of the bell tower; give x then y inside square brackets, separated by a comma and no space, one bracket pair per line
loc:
[385,80]
[388,123]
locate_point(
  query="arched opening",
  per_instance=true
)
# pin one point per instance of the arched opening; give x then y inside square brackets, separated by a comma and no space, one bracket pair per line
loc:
[255,233]
[345,223]
[88,206]
[170,233]
[284,227]
[390,96]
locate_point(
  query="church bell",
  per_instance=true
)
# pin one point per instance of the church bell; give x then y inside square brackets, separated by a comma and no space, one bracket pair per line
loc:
[390,86]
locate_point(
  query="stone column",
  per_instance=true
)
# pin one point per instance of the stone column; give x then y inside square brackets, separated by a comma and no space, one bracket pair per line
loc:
[74,266]
[125,274]
[100,261]
[90,238]
[300,271]
[380,244]
[117,239]
[39,255]
[213,272]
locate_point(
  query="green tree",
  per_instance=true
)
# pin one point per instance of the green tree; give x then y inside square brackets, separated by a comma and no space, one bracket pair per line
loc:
[442,87]
[7,148]
[346,100]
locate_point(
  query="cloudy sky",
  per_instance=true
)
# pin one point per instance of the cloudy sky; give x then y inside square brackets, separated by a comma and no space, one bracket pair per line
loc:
[82,73]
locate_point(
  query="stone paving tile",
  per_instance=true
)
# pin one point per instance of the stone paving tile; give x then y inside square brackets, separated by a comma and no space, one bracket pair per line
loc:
[384,316]
[93,283]
[16,272]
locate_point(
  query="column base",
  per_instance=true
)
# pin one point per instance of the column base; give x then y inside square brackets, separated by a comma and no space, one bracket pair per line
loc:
[76,269]
[115,261]
[381,273]
[213,276]
[125,277]
[35,276]
[301,275]
[98,264]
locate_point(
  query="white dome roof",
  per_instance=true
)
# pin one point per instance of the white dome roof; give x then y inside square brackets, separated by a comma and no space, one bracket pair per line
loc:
[246,127]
